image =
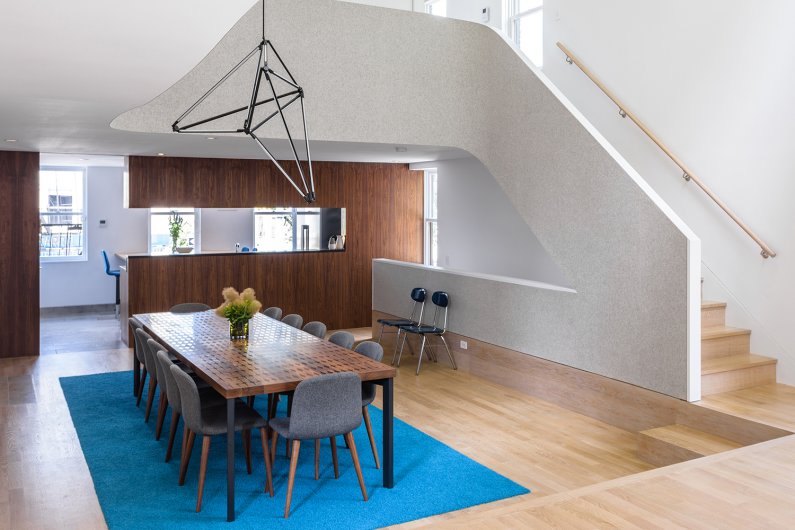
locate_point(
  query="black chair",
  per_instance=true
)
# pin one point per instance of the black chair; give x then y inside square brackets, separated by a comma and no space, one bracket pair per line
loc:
[116,273]
[442,301]
[323,407]
[211,421]
[415,317]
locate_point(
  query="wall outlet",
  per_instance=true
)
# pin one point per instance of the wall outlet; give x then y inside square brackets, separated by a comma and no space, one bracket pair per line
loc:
[464,345]
[485,14]
[103,223]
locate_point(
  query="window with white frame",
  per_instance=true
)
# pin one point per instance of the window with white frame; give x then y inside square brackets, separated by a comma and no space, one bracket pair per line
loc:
[62,200]
[431,218]
[160,241]
[526,27]
[436,7]
[281,229]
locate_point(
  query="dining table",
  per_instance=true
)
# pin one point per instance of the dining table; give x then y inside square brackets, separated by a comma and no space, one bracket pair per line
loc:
[275,358]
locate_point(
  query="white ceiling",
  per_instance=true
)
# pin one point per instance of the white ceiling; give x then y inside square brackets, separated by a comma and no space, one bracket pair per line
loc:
[67,69]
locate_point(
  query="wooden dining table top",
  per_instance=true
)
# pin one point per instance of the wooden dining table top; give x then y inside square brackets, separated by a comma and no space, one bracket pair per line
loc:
[276,356]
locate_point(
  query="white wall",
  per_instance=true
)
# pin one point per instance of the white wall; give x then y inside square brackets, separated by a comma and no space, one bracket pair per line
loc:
[223,227]
[480,229]
[85,282]
[461,9]
[714,80]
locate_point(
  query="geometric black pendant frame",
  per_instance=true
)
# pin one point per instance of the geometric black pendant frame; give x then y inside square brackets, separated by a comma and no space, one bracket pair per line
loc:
[281,99]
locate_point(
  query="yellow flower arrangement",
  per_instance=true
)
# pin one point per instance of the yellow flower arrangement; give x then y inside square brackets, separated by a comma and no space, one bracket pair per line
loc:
[238,307]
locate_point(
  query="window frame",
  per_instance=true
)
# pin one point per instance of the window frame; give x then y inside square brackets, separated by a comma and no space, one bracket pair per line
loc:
[181,210]
[430,216]
[512,20]
[83,215]
[293,212]
[429,7]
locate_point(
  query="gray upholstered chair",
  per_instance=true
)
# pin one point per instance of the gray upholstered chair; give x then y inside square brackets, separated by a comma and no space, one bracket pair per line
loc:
[210,421]
[294,320]
[138,351]
[342,338]
[209,398]
[149,362]
[318,329]
[154,347]
[323,407]
[374,351]
[273,312]
[189,307]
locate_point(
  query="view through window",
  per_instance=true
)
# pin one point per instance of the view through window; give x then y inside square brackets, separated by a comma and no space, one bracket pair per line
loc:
[436,7]
[431,214]
[526,27]
[62,195]
[281,229]
[160,236]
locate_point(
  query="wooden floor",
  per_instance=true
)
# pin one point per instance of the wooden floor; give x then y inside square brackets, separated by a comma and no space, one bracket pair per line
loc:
[583,472]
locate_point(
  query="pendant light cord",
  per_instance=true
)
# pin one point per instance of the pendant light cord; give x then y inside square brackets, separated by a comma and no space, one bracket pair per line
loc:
[263,19]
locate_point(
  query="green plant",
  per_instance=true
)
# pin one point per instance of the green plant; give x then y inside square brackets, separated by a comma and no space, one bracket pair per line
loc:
[238,307]
[175,222]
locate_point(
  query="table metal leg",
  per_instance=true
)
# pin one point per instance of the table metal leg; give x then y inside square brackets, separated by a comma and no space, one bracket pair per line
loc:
[230,459]
[388,441]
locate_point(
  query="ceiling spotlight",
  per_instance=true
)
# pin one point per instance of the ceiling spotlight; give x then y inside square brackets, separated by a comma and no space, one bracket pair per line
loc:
[401,149]
[85,159]
[11,140]
[161,154]
[280,90]
[211,137]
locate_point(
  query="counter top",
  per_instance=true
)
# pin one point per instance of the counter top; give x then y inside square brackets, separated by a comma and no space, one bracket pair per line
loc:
[125,255]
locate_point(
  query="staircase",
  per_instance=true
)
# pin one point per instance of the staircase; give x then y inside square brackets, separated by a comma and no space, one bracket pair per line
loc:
[672,444]
[726,359]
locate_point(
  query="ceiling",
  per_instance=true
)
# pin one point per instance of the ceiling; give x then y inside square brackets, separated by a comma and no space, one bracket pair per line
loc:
[69,68]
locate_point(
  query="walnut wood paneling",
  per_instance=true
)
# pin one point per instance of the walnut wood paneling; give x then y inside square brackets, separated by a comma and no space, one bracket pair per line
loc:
[19,253]
[384,215]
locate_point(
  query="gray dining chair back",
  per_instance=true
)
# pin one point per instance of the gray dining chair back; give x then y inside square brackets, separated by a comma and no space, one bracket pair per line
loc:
[318,329]
[326,405]
[343,338]
[294,320]
[273,312]
[374,351]
[139,349]
[143,337]
[154,348]
[189,307]
[189,399]
[172,390]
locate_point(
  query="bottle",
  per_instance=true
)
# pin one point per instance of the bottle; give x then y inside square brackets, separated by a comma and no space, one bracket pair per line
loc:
[237,247]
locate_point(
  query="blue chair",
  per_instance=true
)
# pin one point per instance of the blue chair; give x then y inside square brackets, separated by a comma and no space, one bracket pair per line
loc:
[442,301]
[116,273]
[415,317]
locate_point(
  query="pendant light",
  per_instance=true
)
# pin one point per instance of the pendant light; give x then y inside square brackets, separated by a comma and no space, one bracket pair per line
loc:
[280,92]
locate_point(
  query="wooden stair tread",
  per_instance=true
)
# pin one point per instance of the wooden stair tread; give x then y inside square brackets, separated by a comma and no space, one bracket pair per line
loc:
[691,439]
[719,332]
[707,304]
[734,362]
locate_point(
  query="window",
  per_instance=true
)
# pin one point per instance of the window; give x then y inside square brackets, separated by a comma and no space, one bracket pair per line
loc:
[436,7]
[159,235]
[62,199]
[526,27]
[431,223]
[281,229]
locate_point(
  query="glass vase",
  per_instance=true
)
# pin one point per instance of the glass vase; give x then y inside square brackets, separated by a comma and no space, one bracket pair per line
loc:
[238,330]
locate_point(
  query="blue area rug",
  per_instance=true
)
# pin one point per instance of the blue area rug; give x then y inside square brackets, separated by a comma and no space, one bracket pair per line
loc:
[137,489]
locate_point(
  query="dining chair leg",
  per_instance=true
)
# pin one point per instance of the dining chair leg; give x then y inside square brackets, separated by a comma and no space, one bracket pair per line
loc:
[273,446]
[247,449]
[141,387]
[317,458]
[263,432]
[203,470]
[172,432]
[150,398]
[291,478]
[449,353]
[356,466]
[161,414]
[186,459]
[422,349]
[381,335]
[250,401]
[368,425]
[333,440]
[400,353]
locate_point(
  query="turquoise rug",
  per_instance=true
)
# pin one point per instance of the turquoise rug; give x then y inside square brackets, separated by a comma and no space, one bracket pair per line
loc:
[137,489]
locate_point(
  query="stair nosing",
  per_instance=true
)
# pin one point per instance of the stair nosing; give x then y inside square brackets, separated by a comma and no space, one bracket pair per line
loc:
[720,332]
[712,305]
[753,361]
[693,432]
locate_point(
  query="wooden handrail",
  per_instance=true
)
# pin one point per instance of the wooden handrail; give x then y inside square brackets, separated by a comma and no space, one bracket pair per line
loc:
[688,175]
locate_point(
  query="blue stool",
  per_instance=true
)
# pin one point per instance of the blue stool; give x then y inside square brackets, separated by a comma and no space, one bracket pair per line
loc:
[115,273]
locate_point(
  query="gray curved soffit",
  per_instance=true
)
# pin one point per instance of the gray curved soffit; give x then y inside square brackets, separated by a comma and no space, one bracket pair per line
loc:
[386,76]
